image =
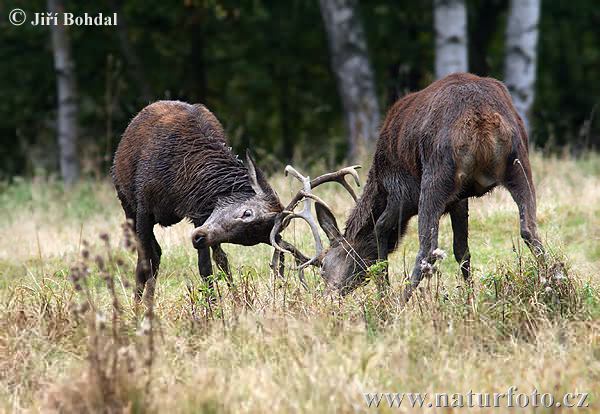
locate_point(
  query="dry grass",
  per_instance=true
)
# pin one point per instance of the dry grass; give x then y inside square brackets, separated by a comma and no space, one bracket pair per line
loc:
[268,345]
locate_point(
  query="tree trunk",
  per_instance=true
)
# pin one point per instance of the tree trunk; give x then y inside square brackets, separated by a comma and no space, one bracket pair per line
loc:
[450,22]
[67,98]
[521,54]
[356,82]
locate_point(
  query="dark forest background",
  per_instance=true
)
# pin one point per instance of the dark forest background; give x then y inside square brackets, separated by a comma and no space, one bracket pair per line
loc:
[263,67]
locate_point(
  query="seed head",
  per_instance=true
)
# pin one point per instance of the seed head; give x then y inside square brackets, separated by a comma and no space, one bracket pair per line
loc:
[100,321]
[145,327]
[100,262]
[82,308]
[426,267]
[439,254]
[104,237]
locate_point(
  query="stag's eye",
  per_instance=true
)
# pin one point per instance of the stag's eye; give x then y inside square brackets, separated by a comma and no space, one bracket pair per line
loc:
[247,213]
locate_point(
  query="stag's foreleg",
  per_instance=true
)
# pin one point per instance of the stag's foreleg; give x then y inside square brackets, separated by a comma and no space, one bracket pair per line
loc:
[436,189]
[149,254]
[384,226]
[520,185]
[204,263]
[459,216]
[220,258]
[205,266]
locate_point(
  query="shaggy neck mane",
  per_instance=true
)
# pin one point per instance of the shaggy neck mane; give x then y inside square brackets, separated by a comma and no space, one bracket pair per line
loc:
[360,227]
[211,174]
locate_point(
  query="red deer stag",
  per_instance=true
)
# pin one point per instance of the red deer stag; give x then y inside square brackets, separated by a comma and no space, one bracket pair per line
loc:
[173,163]
[458,138]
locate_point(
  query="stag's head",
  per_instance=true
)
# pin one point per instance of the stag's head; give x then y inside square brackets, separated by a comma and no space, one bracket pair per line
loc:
[341,264]
[344,264]
[248,221]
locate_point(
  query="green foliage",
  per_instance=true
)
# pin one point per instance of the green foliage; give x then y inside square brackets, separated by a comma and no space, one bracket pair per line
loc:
[569,59]
[263,67]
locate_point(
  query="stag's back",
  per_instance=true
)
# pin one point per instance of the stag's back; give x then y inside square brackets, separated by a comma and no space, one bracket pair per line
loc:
[468,116]
[173,158]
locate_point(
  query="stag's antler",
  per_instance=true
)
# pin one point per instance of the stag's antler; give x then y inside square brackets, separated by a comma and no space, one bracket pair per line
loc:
[336,176]
[339,176]
[284,218]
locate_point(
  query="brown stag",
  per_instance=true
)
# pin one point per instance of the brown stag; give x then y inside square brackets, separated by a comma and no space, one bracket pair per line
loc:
[458,138]
[172,163]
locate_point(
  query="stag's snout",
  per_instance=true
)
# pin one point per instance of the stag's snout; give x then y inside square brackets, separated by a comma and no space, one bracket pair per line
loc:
[342,269]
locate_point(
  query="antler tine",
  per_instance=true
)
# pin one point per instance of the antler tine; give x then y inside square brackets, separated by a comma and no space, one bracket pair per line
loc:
[317,199]
[339,177]
[288,214]
[306,195]
[305,186]
[278,228]
[291,170]
[307,216]
[313,226]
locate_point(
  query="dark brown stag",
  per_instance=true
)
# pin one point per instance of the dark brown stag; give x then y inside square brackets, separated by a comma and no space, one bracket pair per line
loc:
[457,138]
[172,163]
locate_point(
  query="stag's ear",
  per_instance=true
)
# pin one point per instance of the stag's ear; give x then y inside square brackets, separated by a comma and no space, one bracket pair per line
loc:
[328,223]
[257,178]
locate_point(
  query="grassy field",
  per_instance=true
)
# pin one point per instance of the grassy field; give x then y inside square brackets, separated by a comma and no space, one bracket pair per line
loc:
[268,345]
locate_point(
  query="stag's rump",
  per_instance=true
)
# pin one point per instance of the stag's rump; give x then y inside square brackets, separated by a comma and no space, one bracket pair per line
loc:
[473,119]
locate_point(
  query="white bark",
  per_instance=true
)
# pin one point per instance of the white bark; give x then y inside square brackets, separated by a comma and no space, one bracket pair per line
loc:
[356,81]
[521,54]
[67,98]
[450,22]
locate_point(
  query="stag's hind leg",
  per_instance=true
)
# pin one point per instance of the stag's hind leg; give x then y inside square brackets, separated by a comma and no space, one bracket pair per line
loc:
[520,185]
[459,216]
[148,255]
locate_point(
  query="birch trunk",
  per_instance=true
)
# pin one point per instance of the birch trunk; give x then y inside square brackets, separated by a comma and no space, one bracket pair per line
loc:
[67,98]
[355,78]
[450,22]
[521,54]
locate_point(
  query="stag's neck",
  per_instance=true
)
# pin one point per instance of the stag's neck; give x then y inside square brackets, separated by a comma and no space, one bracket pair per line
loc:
[217,177]
[360,227]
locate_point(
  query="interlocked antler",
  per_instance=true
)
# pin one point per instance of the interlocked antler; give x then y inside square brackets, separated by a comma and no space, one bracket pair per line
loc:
[306,195]
[339,177]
